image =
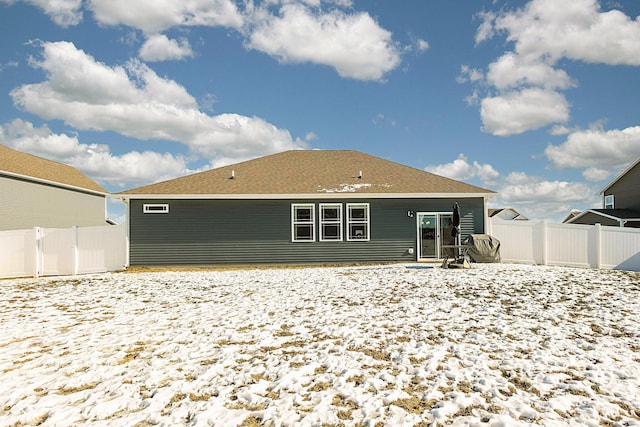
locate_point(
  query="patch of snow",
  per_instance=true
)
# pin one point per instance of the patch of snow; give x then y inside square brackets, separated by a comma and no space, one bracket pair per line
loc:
[496,345]
[351,188]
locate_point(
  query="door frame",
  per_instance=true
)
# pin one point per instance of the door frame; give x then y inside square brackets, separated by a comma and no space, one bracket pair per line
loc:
[438,238]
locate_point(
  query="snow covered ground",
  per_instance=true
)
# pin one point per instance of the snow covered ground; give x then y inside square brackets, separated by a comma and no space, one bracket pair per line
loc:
[497,345]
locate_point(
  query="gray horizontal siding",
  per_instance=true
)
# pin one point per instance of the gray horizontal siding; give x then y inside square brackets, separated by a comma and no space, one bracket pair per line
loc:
[259,231]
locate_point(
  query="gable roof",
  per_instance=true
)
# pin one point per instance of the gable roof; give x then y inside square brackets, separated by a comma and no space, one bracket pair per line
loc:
[620,215]
[310,172]
[33,168]
[623,173]
[509,212]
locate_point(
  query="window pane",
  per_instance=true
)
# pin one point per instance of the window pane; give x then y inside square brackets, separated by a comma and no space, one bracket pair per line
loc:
[303,214]
[303,232]
[359,213]
[331,232]
[358,231]
[330,213]
[608,201]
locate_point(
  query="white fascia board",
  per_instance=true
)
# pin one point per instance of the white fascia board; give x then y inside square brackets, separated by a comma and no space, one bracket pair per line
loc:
[53,183]
[341,195]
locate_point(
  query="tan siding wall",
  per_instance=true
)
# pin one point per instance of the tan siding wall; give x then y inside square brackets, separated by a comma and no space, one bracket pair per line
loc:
[25,205]
[627,190]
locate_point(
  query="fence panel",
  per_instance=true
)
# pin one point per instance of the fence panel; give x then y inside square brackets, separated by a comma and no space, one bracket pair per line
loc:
[620,248]
[62,251]
[101,249]
[568,244]
[56,249]
[17,253]
[516,240]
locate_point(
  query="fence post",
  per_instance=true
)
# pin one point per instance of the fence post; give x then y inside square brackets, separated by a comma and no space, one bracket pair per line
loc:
[543,242]
[598,245]
[74,239]
[37,232]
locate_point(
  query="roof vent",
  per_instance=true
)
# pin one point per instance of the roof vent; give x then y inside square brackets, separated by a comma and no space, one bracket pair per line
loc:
[360,175]
[233,175]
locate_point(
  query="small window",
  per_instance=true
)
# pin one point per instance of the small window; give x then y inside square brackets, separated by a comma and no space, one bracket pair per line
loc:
[303,224]
[155,208]
[358,221]
[608,201]
[331,222]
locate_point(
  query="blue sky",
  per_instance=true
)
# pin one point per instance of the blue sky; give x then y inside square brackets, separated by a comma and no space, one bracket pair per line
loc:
[538,100]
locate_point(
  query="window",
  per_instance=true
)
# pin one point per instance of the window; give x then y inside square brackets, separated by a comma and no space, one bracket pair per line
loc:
[358,221]
[155,208]
[608,201]
[331,222]
[303,225]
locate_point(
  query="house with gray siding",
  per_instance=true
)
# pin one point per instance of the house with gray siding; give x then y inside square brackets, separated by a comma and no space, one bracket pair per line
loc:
[300,206]
[620,202]
[36,192]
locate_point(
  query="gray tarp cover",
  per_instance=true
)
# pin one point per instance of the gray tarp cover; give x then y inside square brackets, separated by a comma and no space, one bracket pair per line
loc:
[483,248]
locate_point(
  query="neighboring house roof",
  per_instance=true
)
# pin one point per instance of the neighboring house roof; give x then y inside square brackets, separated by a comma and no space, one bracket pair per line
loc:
[620,215]
[508,214]
[574,213]
[623,173]
[310,172]
[34,168]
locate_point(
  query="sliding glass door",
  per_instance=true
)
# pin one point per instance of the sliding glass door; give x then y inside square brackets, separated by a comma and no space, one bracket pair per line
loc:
[434,231]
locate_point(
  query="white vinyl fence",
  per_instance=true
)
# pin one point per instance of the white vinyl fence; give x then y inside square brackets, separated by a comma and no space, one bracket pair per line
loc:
[575,245]
[62,251]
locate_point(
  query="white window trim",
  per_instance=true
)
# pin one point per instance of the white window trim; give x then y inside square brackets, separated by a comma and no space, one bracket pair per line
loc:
[155,208]
[612,204]
[337,222]
[294,222]
[351,221]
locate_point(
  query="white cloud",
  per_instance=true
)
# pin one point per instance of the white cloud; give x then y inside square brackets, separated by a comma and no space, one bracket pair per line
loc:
[544,32]
[532,190]
[155,16]
[65,13]
[468,74]
[596,174]
[421,45]
[354,44]
[159,47]
[519,111]
[512,71]
[95,160]
[136,102]
[560,130]
[576,30]
[596,148]
[532,196]
[538,198]
[462,170]
[325,32]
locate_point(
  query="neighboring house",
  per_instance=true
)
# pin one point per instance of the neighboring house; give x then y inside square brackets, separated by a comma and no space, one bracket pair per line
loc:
[574,213]
[507,214]
[35,192]
[301,206]
[620,202]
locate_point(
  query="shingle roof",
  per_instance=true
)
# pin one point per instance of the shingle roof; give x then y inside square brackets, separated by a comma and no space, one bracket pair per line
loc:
[614,214]
[618,213]
[310,172]
[19,163]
